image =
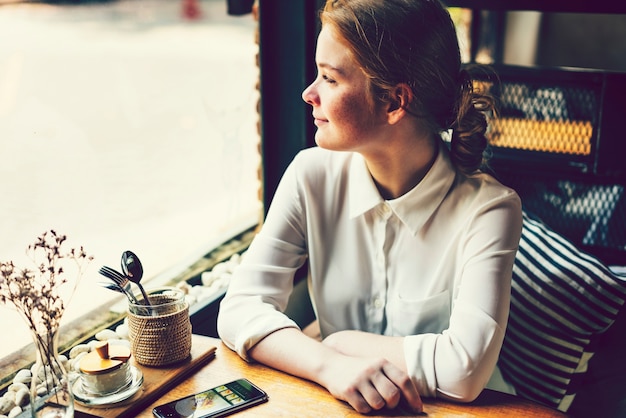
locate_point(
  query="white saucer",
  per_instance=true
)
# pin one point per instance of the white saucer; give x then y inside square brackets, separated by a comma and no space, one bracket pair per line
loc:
[90,399]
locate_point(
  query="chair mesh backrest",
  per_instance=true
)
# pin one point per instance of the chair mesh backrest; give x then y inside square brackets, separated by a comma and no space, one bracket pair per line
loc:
[546,118]
[546,143]
[588,214]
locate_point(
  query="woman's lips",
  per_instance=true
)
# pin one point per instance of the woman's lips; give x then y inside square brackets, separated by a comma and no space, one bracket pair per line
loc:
[319,121]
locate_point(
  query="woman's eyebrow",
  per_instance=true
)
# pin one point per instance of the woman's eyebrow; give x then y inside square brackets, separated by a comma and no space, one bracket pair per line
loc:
[330,67]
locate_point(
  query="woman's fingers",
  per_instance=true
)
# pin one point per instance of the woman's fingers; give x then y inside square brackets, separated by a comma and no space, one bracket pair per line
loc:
[357,400]
[367,396]
[369,384]
[405,385]
[386,387]
[388,394]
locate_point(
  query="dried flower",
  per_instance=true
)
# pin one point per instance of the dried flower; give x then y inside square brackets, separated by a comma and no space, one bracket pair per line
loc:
[35,293]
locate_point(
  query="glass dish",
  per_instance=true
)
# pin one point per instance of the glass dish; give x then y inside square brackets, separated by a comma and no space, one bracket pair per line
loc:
[86,397]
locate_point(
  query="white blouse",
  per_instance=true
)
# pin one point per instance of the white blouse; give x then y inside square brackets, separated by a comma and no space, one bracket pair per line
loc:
[433,265]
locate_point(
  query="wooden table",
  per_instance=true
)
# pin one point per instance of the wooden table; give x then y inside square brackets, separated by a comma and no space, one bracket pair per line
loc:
[212,364]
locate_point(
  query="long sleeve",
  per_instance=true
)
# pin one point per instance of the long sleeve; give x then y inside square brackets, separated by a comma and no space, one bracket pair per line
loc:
[458,362]
[261,285]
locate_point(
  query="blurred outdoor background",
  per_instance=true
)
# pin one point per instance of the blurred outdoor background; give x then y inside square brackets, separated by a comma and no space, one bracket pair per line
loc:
[126,125]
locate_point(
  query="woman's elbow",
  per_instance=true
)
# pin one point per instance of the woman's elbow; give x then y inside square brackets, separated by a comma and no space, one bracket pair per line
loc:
[464,392]
[225,327]
[471,393]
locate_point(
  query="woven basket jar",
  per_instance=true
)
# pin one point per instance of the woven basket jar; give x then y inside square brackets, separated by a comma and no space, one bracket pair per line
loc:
[160,334]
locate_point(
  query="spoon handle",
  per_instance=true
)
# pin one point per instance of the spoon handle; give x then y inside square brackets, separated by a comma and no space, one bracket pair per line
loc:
[143,292]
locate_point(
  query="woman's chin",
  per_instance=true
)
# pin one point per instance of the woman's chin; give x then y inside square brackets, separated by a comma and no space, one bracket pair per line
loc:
[325,145]
[322,141]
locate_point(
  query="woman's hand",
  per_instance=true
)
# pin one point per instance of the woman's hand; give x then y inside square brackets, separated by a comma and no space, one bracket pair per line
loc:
[370,379]
[369,383]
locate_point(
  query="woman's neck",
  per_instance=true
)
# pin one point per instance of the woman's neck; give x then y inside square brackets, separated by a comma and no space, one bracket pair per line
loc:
[399,170]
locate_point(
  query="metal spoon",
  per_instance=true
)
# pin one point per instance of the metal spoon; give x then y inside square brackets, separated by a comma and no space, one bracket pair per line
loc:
[131,266]
[120,281]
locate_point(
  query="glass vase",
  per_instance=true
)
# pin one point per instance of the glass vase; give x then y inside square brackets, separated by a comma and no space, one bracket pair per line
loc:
[50,391]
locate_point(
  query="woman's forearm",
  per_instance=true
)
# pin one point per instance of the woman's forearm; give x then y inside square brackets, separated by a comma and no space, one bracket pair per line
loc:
[293,352]
[366,382]
[365,344]
[307,361]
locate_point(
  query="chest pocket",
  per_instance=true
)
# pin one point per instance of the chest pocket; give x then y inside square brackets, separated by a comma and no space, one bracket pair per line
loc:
[420,316]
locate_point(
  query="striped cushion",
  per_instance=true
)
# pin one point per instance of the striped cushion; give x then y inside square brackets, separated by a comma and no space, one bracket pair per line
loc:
[561,301]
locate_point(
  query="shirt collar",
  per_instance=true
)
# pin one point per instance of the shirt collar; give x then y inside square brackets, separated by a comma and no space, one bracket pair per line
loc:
[413,208]
[362,192]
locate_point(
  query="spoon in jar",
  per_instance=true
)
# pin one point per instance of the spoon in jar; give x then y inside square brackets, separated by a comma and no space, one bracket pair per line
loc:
[131,266]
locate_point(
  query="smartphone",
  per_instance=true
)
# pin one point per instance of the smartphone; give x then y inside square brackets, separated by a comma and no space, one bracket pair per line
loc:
[216,402]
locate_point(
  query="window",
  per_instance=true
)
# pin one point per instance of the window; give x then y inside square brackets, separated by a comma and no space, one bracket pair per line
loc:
[125,126]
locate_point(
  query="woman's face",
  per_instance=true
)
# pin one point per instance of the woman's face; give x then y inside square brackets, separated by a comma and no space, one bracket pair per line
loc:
[345,117]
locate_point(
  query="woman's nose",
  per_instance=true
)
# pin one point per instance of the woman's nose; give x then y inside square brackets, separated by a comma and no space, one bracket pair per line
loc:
[309,95]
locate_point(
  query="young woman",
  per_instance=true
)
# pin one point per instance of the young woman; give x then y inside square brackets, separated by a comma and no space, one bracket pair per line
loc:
[410,247]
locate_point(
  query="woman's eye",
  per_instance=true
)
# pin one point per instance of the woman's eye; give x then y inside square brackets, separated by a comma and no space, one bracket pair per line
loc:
[328,79]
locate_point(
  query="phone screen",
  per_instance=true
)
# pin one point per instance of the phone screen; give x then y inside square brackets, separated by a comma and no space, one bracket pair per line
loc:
[216,402]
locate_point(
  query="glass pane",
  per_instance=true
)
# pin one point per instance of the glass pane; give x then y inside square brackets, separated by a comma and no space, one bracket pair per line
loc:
[125,125]
[462,19]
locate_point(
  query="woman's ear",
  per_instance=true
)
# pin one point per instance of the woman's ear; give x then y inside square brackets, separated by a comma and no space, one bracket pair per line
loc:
[400,99]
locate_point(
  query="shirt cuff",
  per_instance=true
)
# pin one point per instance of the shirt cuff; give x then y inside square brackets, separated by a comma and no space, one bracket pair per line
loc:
[419,351]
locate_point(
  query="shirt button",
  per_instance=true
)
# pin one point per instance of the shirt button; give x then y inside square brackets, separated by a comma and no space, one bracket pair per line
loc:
[378,303]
